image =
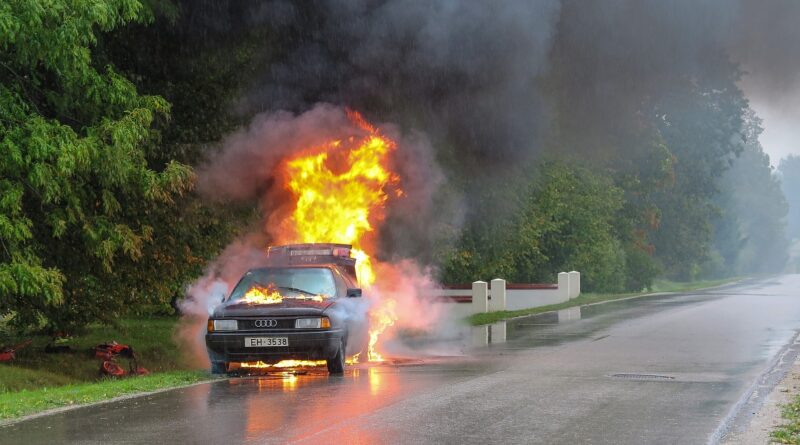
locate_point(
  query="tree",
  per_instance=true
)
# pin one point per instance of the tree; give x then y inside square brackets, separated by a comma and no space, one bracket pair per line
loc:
[750,230]
[201,57]
[75,183]
[564,220]
[701,121]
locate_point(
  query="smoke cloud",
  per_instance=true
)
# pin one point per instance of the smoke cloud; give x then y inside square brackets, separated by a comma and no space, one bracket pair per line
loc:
[614,58]
[474,76]
[247,168]
[463,73]
[207,292]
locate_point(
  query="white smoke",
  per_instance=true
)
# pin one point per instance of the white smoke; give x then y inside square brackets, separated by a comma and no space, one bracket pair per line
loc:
[207,292]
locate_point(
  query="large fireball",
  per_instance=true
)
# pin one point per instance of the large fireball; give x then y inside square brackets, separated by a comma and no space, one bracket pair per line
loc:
[340,190]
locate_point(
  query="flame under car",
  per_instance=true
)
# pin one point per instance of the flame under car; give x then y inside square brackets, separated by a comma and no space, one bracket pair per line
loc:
[286,310]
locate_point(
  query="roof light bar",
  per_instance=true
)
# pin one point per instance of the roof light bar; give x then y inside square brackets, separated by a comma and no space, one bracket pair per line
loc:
[310,252]
[310,249]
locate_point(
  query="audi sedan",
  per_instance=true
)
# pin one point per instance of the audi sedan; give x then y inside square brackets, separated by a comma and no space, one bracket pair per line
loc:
[287,312]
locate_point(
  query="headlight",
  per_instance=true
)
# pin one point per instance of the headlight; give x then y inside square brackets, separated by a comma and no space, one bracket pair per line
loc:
[223,325]
[312,323]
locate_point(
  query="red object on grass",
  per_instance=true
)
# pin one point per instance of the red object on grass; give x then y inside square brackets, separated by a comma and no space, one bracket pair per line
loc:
[111,368]
[107,351]
[8,354]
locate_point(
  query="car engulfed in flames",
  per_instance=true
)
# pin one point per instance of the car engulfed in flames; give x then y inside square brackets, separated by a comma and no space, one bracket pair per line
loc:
[287,314]
[339,191]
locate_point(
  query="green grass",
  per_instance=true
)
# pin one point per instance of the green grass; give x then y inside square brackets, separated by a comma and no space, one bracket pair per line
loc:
[151,339]
[21,403]
[37,381]
[790,431]
[589,298]
[16,378]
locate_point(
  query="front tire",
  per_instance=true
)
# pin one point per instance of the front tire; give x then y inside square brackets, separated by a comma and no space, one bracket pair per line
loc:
[336,364]
[219,368]
[218,363]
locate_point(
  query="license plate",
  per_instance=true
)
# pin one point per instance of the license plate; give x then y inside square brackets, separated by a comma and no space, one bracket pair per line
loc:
[265,342]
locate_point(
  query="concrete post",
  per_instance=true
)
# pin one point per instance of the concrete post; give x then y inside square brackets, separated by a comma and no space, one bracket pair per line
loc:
[574,284]
[480,297]
[480,335]
[497,332]
[563,286]
[498,301]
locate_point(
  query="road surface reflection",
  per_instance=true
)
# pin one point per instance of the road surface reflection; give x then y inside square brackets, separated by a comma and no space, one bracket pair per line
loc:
[297,405]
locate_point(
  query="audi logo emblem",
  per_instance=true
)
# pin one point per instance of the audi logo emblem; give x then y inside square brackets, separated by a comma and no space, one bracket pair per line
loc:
[270,323]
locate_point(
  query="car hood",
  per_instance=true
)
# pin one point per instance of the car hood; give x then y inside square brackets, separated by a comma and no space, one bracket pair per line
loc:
[288,307]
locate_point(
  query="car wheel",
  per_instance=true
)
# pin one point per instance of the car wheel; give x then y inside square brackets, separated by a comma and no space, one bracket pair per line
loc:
[336,364]
[219,367]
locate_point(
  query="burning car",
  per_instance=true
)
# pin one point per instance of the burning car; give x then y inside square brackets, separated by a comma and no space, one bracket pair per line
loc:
[287,310]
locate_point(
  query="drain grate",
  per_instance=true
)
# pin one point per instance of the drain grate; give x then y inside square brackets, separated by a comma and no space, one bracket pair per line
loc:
[642,377]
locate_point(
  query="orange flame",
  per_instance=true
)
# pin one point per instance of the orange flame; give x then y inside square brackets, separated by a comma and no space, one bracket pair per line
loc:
[283,364]
[381,318]
[340,190]
[292,364]
[262,295]
[270,295]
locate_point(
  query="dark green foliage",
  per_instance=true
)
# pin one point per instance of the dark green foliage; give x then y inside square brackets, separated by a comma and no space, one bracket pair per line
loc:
[563,220]
[75,178]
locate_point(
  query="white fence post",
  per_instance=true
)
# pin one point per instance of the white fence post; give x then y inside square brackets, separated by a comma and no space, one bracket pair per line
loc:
[574,284]
[480,297]
[498,301]
[563,286]
[480,335]
[498,332]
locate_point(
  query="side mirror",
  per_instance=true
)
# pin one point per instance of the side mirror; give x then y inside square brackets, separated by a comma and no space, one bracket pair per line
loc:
[353,293]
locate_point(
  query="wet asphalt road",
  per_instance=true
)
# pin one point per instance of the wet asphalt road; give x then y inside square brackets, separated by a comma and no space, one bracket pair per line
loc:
[551,381]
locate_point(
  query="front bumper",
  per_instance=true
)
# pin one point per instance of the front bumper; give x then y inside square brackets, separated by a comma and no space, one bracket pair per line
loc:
[303,345]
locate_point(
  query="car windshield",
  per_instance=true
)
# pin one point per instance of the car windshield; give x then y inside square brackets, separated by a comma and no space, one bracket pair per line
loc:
[289,282]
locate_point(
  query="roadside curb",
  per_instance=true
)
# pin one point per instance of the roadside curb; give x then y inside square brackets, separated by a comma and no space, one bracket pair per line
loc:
[740,418]
[768,417]
[61,409]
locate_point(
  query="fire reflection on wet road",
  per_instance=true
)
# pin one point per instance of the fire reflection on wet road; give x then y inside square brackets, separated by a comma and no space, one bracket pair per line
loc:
[544,379]
[295,407]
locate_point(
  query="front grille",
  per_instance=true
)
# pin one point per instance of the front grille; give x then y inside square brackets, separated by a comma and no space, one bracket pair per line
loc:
[250,324]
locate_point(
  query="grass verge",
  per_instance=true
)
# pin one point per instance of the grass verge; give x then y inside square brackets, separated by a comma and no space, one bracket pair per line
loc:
[21,403]
[589,298]
[789,432]
[37,381]
[151,338]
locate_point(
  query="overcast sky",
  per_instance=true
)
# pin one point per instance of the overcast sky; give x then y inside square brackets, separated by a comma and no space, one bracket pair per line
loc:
[765,38]
[781,116]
